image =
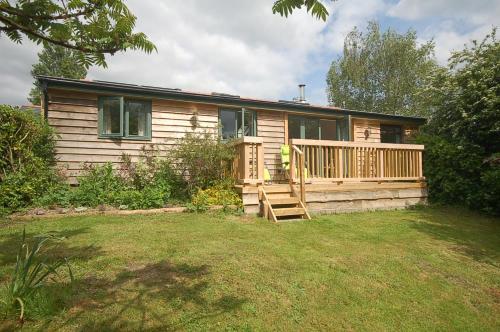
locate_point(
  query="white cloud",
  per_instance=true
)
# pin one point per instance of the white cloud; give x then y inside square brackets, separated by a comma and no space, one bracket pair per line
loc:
[241,47]
[16,60]
[448,40]
[476,11]
[347,14]
[458,21]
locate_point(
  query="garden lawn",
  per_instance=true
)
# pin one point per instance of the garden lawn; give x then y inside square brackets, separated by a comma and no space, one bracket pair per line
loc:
[423,269]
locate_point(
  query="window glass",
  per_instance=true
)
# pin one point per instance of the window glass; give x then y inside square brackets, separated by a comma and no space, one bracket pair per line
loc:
[248,124]
[119,117]
[311,126]
[228,123]
[390,134]
[237,123]
[294,127]
[111,115]
[137,117]
[328,130]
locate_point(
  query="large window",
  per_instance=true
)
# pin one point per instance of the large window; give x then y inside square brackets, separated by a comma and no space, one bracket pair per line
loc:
[311,128]
[237,123]
[124,118]
[390,134]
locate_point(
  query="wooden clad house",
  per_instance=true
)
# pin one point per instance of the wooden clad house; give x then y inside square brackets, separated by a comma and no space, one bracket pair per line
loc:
[343,160]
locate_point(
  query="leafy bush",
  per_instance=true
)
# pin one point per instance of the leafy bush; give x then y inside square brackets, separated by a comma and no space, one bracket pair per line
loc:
[152,170]
[148,198]
[29,275]
[103,185]
[25,137]
[26,158]
[462,134]
[97,186]
[221,193]
[202,160]
[452,171]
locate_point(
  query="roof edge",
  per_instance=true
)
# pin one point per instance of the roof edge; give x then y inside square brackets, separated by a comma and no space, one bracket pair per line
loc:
[220,99]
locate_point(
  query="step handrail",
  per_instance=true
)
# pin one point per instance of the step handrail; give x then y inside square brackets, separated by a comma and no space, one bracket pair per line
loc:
[301,162]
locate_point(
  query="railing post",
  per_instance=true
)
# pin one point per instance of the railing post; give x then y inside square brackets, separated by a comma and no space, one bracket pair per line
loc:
[291,166]
[302,179]
[420,162]
[341,162]
[381,163]
[260,162]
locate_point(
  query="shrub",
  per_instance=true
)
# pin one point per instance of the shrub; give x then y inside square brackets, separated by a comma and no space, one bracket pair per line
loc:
[138,186]
[24,136]
[148,198]
[221,193]
[98,186]
[459,174]
[58,196]
[461,157]
[202,160]
[18,189]
[27,154]
[153,171]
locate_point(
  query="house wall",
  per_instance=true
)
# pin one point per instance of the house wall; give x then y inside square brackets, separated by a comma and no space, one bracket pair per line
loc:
[359,126]
[271,127]
[373,126]
[73,115]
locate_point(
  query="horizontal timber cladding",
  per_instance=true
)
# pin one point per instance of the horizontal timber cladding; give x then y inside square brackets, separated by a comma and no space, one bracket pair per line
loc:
[73,115]
[361,127]
[271,127]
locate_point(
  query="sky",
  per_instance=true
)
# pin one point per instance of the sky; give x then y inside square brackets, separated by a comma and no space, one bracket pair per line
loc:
[240,47]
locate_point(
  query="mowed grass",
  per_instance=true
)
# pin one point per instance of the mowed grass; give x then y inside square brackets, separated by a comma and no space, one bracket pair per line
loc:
[424,269]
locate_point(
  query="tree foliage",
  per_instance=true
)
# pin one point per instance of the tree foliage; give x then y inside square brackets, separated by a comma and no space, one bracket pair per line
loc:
[462,137]
[381,72]
[315,7]
[56,61]
[93,27]
[465,97]
[27,154]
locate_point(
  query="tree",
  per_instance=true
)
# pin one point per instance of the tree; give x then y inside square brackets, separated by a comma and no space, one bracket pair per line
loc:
[381,72]
[462,137]
[465,97]
[56,61]
[286,7]
[93,27]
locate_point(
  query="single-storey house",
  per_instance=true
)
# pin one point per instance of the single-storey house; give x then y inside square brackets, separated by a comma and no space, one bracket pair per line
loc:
[336,159]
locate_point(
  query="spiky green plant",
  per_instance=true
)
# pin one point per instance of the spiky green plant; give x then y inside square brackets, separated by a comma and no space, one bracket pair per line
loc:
[31,272]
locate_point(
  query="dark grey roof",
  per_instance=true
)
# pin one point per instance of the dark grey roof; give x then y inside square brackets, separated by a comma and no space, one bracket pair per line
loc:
[212,98]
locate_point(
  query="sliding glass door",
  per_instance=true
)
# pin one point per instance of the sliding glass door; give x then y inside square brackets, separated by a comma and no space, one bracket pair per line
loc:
[306,127]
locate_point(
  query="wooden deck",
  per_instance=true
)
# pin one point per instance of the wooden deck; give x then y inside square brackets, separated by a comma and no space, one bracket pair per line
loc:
[333,176]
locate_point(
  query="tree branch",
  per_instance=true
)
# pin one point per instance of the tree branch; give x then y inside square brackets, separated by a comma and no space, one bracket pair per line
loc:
[14,11]
[12,24]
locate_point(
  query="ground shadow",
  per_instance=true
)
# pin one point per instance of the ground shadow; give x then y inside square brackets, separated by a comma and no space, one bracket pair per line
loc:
[139,290]
[472,234]
[51,298]
[53,250]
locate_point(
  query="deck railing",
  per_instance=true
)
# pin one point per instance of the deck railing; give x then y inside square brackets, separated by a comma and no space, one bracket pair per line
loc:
[248,165]
[331,161]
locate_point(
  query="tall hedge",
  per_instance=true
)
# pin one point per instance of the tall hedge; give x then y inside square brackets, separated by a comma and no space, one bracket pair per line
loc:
[27,152]
[462,138]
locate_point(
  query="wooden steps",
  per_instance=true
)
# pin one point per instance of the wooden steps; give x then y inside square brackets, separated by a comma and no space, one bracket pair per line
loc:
[281,203]
[285,212]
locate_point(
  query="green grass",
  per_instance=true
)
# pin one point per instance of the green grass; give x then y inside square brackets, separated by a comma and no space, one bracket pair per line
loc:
[424,269]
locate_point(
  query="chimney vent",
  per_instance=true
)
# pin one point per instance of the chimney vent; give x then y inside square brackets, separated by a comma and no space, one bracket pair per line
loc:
[302,93]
